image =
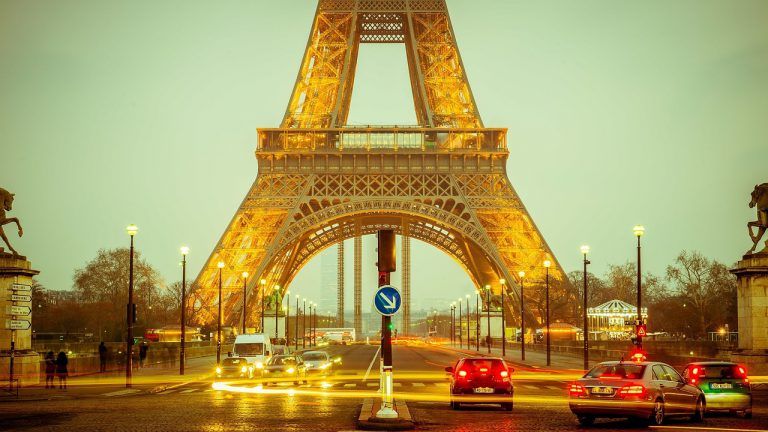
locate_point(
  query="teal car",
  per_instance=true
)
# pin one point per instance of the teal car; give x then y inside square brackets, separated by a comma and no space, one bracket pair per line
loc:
[725,385]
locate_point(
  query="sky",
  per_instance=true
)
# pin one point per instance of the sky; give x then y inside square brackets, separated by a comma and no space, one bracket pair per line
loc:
[619,113]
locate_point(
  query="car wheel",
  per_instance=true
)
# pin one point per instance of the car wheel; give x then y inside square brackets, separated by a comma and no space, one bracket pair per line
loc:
[586,420]
[508,406]
[698,414]
[658,414]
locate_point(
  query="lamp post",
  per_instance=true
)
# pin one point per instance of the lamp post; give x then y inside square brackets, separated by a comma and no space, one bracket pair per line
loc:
[477,320]
[488,315]
[296,335]
[453,324]
[639,230]
[469,323]
[522,314]
[314,328]
[245,296]
[287,314]
[461,339]
[547,264]
[278,302]
[132,230]
[304,323]
[585,252]
[218,320]
[503,282]
[182,353]
[263,284]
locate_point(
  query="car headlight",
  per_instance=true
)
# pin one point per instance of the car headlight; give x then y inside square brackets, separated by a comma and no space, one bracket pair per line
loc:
[259,365]
[244,369]
[325,366]
[291,370]
[218,370]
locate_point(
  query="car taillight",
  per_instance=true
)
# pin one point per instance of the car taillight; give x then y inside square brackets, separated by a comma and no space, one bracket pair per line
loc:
[696,374]
[577,390]
[483,370]
[503,374]
[742,374]
[462,373]
[632,390]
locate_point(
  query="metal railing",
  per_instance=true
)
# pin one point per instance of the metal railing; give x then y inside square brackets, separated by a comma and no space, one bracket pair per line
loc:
[378,139]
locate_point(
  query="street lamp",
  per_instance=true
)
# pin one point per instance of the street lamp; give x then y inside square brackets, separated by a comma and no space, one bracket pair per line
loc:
[245,296]
[461,341]
[639,230]
[182,352]
[287,314]
[547,264]
[453,323]
[218,323]
[132,230]
[296,336]
[477,320]
[585,252]
[304,323]
[488,315]
[278,301]
[263,284]
[503,282]
[521,274]
[314,327]
[469,323]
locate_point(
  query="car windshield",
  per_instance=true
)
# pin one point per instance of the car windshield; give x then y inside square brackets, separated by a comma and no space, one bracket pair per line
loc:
[477,364]
[719,371]
[314,356]
[233,361]
[249,349]
[280,361]
[620,370]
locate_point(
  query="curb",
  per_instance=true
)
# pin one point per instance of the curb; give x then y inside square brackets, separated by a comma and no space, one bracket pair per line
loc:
[367,421]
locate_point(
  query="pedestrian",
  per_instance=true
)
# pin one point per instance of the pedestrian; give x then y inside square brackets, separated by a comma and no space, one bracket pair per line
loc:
[103,351]
[143,348]
[61,369]
[50,369]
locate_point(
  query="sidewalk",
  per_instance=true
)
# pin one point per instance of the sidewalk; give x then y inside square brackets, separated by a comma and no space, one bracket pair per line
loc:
[152,379]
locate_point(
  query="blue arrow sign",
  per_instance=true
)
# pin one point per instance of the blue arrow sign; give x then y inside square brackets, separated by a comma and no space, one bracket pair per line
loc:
[387,300]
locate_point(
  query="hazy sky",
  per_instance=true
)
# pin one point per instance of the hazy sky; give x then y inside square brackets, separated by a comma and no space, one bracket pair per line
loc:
[652,112]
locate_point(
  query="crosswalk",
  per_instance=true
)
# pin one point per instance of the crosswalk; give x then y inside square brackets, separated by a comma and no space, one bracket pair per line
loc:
[406,386]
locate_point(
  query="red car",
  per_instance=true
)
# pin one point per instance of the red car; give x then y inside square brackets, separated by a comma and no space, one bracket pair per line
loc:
[481,380]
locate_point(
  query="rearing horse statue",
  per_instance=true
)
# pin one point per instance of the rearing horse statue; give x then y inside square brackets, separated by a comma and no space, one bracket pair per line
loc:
[759,200]
[6,204]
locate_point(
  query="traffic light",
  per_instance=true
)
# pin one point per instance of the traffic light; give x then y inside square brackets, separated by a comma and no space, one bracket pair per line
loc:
[391,326]
[133,313]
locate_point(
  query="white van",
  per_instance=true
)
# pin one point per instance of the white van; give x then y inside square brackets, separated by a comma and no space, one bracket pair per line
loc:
[255,348]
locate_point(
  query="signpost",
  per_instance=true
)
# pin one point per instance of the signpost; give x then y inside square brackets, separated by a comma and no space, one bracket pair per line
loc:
[21,288]
[15,324]
[21,298]
[19,310]
[19,293]
[387,302]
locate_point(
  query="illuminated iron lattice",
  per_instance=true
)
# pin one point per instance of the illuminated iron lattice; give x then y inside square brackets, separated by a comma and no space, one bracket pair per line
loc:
[320,181]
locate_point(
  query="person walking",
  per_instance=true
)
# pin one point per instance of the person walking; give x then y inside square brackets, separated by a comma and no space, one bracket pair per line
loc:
[61,369]
[103,357]
[143,348]
[50,369]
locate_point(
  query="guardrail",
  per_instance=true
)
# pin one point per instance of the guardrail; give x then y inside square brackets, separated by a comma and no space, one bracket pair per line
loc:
[382,138]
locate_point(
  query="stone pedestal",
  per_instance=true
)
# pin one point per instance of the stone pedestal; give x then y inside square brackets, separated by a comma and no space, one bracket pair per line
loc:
[16,270]
[752,292]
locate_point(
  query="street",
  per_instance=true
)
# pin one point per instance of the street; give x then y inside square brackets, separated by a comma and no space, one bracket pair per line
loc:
[332,403]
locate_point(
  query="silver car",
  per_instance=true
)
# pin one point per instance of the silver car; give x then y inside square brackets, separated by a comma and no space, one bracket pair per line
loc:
[318,362]
[650,391]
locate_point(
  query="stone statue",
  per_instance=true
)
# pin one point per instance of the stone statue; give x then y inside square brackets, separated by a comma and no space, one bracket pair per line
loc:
[759,200]
[6,204]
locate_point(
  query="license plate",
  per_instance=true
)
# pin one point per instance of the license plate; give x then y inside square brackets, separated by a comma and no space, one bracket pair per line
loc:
[484,390]
[602,390]
[716,386]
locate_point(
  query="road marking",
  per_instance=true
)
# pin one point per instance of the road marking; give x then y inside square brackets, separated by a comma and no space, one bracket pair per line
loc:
[698,428]
[554,388]
[397,384]
[350,385]
[530,387]
[121,392]
[372,384]
[167,391]
[418,384]
[189,391]
[368,372]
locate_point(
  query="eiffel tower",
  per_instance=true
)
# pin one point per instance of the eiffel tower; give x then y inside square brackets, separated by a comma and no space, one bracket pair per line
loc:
[321,181]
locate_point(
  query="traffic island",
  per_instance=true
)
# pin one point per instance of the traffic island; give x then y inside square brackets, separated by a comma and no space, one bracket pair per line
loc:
[367,419]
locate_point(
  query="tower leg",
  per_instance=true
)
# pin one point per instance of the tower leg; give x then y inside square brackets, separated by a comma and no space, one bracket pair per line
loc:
[340,286]
[358,285]
[406,245]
